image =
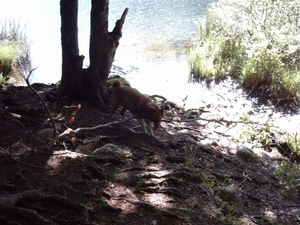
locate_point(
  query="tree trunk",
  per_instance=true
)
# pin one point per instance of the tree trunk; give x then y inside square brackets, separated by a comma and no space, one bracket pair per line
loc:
[90,83]
[71,61]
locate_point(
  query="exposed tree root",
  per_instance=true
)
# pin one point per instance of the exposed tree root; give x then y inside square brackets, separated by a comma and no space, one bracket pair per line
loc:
[147,150]
[22,163]
[9,205]
[167,190]
[158,211]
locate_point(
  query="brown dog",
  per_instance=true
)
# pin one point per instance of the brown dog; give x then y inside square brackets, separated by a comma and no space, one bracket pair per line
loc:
[138,104]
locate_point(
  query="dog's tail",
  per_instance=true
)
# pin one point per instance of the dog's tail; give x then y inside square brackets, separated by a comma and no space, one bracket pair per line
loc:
[116,86]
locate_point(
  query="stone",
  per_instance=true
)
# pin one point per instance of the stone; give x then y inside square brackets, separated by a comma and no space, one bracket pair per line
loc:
[109,149]
[246,154]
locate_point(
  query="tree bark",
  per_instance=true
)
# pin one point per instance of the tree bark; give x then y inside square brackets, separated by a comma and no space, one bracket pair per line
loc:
[90,83]
[71,61]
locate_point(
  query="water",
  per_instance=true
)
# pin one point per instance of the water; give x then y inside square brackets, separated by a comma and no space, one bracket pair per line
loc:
[155,36]
[151,54]
[42,23]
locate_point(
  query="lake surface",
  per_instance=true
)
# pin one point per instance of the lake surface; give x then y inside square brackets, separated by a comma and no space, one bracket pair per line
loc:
[155,33]
[151,54]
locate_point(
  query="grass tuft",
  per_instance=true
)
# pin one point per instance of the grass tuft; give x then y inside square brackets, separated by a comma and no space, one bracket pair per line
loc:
[14,52]
[255,41]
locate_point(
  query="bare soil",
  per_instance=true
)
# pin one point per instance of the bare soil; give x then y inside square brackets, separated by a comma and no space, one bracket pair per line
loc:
[172,178]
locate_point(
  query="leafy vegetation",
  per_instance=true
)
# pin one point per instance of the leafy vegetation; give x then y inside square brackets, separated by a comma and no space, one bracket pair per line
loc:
[288,177]
[258,134]
[14,52]
[254,41]
[294,145]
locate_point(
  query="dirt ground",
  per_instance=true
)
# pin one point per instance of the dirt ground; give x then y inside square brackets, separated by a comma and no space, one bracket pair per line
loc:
[172,178]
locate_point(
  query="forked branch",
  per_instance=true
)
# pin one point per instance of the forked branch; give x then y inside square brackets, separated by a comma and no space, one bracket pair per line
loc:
[119,24]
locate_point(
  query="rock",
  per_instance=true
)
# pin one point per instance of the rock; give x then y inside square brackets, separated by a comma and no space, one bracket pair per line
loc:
[109,149]
[47,133]
[246,154]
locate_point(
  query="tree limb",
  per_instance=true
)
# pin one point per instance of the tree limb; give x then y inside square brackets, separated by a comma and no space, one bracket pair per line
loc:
[119,24]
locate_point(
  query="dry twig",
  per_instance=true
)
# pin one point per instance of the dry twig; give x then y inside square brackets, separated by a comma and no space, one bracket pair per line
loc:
[42,100]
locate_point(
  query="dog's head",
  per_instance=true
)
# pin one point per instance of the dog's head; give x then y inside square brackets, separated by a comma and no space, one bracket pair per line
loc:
[115,87]
[155,115]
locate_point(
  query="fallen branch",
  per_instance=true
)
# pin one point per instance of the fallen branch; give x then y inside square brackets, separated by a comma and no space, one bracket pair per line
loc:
[161,97]
[81,130]
[42,100]
[228,122]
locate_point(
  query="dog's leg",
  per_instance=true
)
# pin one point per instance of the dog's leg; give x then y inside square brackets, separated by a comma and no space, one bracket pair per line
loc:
[115,102]
[123,111]
[142,124]
[150,128]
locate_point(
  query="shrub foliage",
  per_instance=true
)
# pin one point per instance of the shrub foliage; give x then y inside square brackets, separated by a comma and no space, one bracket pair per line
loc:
[256,41]
[14,52]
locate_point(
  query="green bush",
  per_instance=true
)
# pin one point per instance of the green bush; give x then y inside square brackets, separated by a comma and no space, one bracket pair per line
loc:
[8,53]
[287,175]
[294,145]
[255,41]
[14,52]
[258,134]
